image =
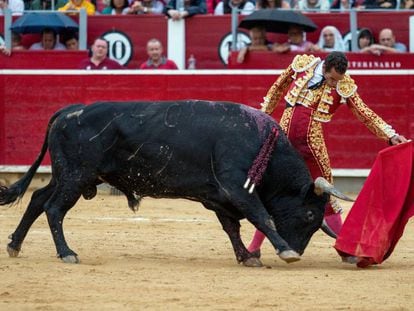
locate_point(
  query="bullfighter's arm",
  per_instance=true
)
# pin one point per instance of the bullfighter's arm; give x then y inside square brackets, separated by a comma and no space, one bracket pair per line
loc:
[277,90]
[371,120]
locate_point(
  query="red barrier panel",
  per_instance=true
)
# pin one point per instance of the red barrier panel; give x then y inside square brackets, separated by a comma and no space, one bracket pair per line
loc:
[30,98]
[42,59]
[271,60]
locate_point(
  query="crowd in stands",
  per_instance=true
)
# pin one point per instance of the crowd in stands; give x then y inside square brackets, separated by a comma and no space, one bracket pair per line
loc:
[330,38]
[193,7]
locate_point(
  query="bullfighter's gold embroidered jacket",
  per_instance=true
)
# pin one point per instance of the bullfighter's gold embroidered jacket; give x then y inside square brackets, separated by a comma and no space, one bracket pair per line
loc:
[324,100]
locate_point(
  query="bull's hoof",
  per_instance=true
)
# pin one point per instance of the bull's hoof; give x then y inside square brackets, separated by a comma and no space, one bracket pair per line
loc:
[256,253]
[252,262]
[12,252]
[70,259]
[289,256]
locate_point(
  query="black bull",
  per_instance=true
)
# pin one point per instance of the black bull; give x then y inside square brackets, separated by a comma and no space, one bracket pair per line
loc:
[196,150]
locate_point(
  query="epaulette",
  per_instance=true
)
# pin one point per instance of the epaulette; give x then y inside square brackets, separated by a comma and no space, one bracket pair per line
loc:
[346,87]
[302,63]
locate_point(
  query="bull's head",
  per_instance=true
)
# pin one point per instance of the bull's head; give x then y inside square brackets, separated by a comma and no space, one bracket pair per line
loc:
[297,218]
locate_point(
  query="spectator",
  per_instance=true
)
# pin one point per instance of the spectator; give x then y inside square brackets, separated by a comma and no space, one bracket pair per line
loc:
[77,5]
[39,5]
[99,57]
[5,50]
[211,6]
[245,7]
[156,60]
[15,6]
[313,5]
[344,5]
[71,42]
[16,41]
[271,4]
[296,42]
[314,90]
[379,4]
[387,44]
[16,44]
[365,39]
[191,7]
[407,4]
[330,40]
[48,41]
[117,7]
[387,39]
[259,43]
[147,7]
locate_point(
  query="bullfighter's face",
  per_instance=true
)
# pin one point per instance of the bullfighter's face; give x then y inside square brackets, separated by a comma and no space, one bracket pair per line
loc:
[332,77]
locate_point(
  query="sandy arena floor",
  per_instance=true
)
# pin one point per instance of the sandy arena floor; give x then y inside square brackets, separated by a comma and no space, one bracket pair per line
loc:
[173,255]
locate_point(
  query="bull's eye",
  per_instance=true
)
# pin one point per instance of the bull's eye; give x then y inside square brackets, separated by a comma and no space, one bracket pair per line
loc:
[310,216]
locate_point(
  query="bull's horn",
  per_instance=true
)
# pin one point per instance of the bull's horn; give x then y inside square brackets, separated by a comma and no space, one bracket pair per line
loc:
[325,228]
[323,186]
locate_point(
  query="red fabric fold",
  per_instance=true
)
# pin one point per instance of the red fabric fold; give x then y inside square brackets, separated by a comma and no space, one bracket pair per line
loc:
[383,207]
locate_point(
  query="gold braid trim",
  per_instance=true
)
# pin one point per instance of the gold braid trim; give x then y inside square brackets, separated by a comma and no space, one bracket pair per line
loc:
[285,119]
[318,147]
[370,119]
[302,63]
[346,88]
[276,90]
[322,113]
[316,143]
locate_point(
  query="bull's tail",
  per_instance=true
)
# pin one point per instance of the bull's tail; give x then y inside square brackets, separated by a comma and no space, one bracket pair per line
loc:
[16,191]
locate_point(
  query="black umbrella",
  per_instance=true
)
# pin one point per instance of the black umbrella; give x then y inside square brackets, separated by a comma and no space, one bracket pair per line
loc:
[35,22]
[277,20]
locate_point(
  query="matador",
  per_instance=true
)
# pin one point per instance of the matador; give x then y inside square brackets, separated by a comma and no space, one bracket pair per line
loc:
[314,90]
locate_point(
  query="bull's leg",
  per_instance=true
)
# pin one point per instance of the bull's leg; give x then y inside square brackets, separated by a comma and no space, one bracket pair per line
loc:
[33,211]
[61,201]
[253,209]
[232,228]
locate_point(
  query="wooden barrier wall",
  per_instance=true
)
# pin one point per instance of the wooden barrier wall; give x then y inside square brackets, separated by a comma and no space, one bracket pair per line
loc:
[29,98]
[205,34]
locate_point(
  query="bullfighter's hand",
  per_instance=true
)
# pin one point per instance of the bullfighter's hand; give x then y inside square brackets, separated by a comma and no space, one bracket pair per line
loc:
[398,139]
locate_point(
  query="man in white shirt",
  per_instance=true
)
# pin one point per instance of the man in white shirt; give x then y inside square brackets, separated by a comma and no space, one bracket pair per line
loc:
[48,42]
[15,6]
[245,7]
